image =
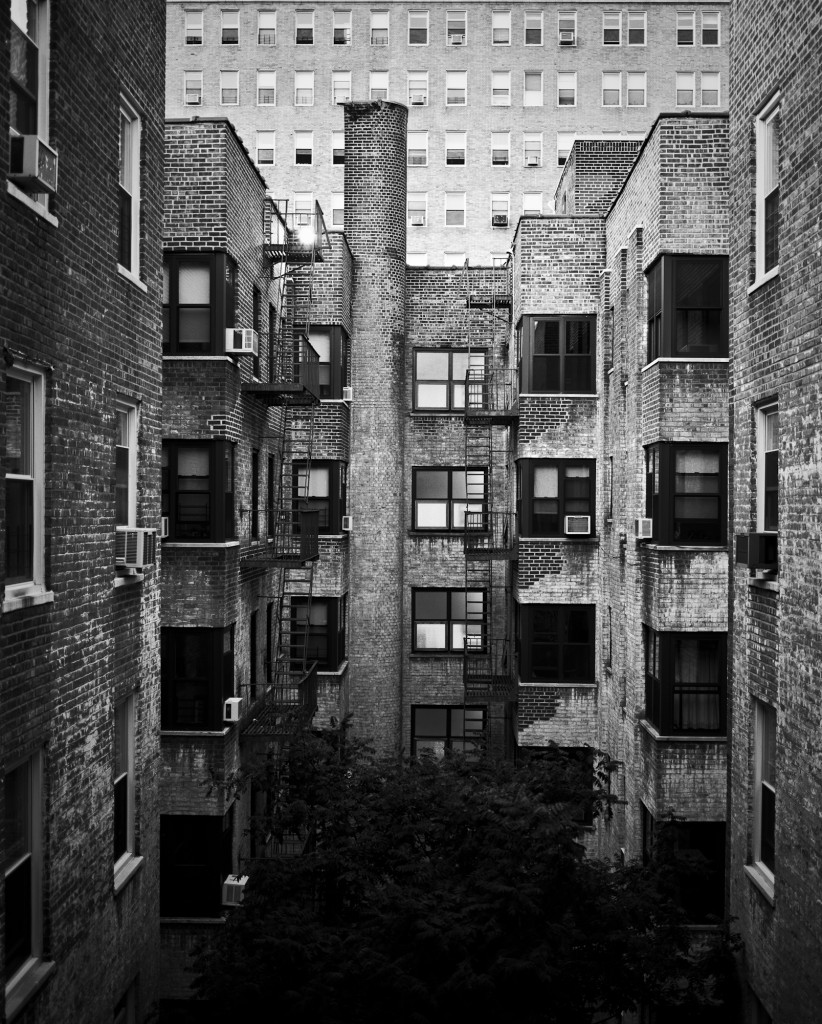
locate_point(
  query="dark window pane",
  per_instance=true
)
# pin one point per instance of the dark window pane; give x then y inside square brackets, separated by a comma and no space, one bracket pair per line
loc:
[431,604]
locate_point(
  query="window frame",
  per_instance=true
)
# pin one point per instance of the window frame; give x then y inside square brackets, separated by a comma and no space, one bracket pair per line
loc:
[307,16]
[454,385]
[662,686]
[643,75]
[661,493]
[500,88]
[527,500]
[453,619]
[331,506]
[606,28]
[222,302]
[417,85]
[266,83]
[225,77]
[682,78]
[337,362]
[501,22]
[536,211]
[375,85]
[273,147]
[767,469]
[451,504]
[332,632]
[452,738]
[220,490]
[124,783]
[685,23]
[662,279]
[528,641]
[266,29]
[525,29]
[340,80]
[130,409]
[703,91]
[449,148]
[497,137]
[763,839]
[532,138]
[33,855]
[337,151]
[562,160]
[342,22]
[500,206]
[226,26]
[129,191]
[526,353]
[412,13]
[420,205]
[193,888]
[376,27]
[634,16]
[566,82]
[303,144]
[303,77]
[608,78]
[455,15]
[528,95]
[455,203]
[190,19]
[187,77]
[456,89]
[215,687]
[416,137]
[570,18]
[704,29]
[767,123]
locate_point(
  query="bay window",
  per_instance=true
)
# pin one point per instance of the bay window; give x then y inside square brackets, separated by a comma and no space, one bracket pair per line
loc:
[556,643]
[198,490]
[199,303]
[686,490]
[197,677]
[685,682]
[688,307]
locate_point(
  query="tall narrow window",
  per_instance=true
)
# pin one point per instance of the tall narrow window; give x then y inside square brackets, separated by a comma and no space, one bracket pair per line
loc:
[565,142]
[532,204]
[266,148]
[198,490]
[253,656]
[23,863]
[710,89]
[304,28]
[764,796]
[611,88]
[418,28]
[337,209]
[25,480]
[378,85]
[501,88]
[229,88]
[266,88]
[303,147]
[192,88]
[455,28]
[637,90]
[767,189]
[500,149]
[418,88]
[636,28]
[456,88]
[685,682]
[129,189]
[500,209]
[532,89]
[710,28]
[266,28]
[612,28]
[338,148]
[417,149]
[685,22]
[455,209]
[455,148]
[197,669]
[686,493]
[532,149]
[566,88]
[685,88]
[379,28]
[342,28]
[340,86]
[124,803]
[125,479]
[533,28]
[501,28]
[194,28]
[417,209]
[567,28]
[304,88]
[767,469]
[230,34]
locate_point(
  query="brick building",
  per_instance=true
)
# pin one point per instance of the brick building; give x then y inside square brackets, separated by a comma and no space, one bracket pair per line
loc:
[80,286]
[496,94]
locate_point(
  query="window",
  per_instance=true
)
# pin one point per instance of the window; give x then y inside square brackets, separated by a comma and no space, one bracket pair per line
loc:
[710,28]
[129,188]
[318,630]
[439,378]
[303,147]
[767,188]
[199,302]
[565,142]
[379,28]
[443,619]
[417,209]
[456,88]
[443,496]
[612,28]
[417,149]
[340,86]
[337,209]
[198,490]
[533,28]
[767,469]
[195,858]
[418,88]
[764,796]
[455,28]
[378,85]
[685,88]
[557,355]
[611,89]
[685,682]
[501,28]
[455,148]
[455,209]
[230,27]
[25,480]
[710,89]
[23,846]
[500,204]
[566,88]
[321,487]
[500,149]
[266,147]
[636,28]
[338,148]
[266,88]
[532,204]
[532,89]
[688,307]
[229,88]
[342,28]
[330,342]
[304,28]
[437,729]
[418,28]
[501,88]
[637,88]
[567,28]
[552,489]
[686,490]
[194,28]
[266,28]
[304,88]
[685,28]
[197,677]
[192,88]
[125,471]
[693,853]
[556,643]
[123,783]
[532,149]
[303,208]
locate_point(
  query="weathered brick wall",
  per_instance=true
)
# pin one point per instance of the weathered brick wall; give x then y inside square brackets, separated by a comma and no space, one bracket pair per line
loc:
[593,174]
[685,778]
[683,399]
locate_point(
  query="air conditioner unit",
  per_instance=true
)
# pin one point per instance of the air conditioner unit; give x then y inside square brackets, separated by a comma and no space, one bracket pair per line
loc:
[644,529]
[418,99]
[234,889]
[348,394]
[532,161]
[757,550]
[194,99]
[134,548]
[347,522]
[500,220]
[163,527]
[457,39]
[241,341]
[32,164]
[231,709]
[568,38]
[577,524]
[417,220]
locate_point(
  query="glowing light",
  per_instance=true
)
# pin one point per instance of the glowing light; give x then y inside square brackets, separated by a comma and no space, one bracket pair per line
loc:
[306,235]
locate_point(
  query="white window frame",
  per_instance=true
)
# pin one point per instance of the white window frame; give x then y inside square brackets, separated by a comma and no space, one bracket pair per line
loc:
[714,76]
[681,79]
[501,141]
[608,80]
[416,204]
[225,77]
[271,16]
[229,19]
[530,97]
[534,198]
[342,22]
[39,201]
[417,82]
[566,22]
[639,19]
[500,88]
[562,138]
[266,80]
[533,16]
[128,408]
[337,144]
[764,715]
[303,208]
[337,209]
[452,141]
[767,169]
[452,83]
[304,19]
[124,716]
[304,141]
[611,20]
[262,138]
[340,80]
[416,142]
[711,14]
[454,202]
[686,22]
[131,129]
[500,205]
[378,82]
[300,80]
[377,19]
[456,15]
[196,78]
[632,77]
[566,80]
[766,415]
[419,14]
[528,140]
[500,22]
[192,27]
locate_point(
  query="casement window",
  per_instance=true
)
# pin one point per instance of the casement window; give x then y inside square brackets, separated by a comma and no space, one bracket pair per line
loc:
[532,204]
[439,378]
[128,254]
[24,406]
[456,88]
[124,782]
[318,631]
[695,863]
[446,621]
[636,28]
[342,28]
[197,677]
[764,793]
[304,148]
[567,28]
[23,866]
[556,643]
[330,342]
[685,28]
[418,28]
[443,496]
[612,28]
[456,27]
[379,28]
[321,487]
[125,465]
[418,88]
[532,149]
[437,729]
[611,88]
[455,209]
[500,149]
[456,144]
[566,88]
[553,489]
[193,33]
[417,209]
[533,28]
[338,148]
[637,88]
[565,142]
[686,492]
[199,303]
[303,88]
[266,148]
[532,89]
[501,88]
[230,34]
[266,88]
[195,860]
[685,88]
[500,209]
[767,469]
[685,682]
[192,88]
[767,124]
[710,89]
[378,85]
[710,28]
[417,149]
[501,28]
[556,355]
[266,28]
[229,88]
[198,490]
[304,28]
[688,307]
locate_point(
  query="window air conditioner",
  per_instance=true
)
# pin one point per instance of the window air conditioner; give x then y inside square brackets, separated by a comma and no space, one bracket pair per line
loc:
[757,550]
[241,341]
[644,529]
[134,548]
[233,890]
[568,38]
[417,99]
[347,522]
[231,709]
[500,220]
[577,524]
[456,38]
[532,161]
[163,527]
[417,220]
[32,164]
[348,394]
[194,99]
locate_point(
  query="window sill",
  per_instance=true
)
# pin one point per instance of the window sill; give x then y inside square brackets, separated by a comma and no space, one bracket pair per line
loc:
[128,580]
[763,583]
[682,737]
[191,920]
[685,359]
[769,276]
[337,672]
[199,358]
[124,870]
[26,984]
[558,394]
[558,686]
[423,655]
[31,598]
[563,539]
[425,413]
[201,544]
[761,881]
[654,546]
[129,276]
[32,204]
[195,733]
[446,534]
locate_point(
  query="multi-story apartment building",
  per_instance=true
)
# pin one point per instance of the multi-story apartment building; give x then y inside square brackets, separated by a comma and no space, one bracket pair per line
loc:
[80,286]
[496,94]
